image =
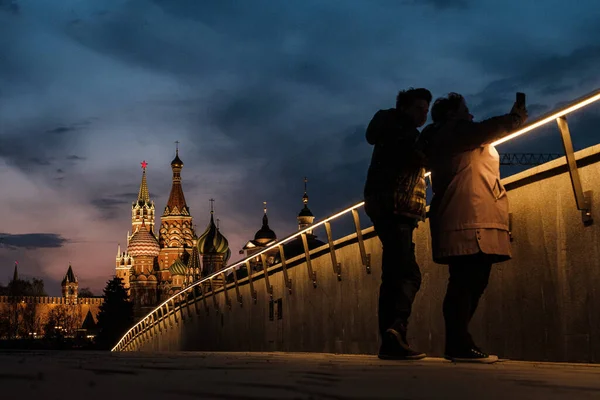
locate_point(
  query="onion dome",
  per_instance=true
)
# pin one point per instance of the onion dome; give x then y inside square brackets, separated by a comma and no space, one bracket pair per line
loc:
[143,243]
[212,241]
[178,268]
[177,163]
[305,212]
[265,234]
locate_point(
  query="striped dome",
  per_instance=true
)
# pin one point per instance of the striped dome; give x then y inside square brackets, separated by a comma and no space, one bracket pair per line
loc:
[178,268]
[143,243]
[212,241]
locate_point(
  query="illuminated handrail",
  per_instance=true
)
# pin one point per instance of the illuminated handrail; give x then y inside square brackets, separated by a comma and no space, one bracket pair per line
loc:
[543,120]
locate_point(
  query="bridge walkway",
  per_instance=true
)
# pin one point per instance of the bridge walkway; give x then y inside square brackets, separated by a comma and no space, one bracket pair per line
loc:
[253,376]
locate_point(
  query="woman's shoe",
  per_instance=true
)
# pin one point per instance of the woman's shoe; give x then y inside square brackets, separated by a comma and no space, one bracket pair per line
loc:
[472,355]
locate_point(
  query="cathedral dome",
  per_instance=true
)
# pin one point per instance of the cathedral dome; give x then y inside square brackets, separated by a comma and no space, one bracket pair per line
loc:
[143,243]
[178,268]
[177,161]
[212,241]
[305,212]
[265,234]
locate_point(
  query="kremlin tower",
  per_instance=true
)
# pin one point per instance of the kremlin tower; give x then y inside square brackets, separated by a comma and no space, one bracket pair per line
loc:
[68,285]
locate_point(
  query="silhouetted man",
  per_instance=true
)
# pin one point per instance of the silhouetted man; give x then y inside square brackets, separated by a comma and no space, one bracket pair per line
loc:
[395,197]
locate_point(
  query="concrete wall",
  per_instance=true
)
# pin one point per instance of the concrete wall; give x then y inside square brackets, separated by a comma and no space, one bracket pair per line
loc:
[542,305]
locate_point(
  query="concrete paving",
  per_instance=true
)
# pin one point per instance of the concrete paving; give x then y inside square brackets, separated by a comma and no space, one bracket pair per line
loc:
[249,376]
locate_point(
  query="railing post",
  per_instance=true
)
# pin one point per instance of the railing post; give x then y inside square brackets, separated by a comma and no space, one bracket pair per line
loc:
[311,274]
[287,281]
[187,304]
[366,258]
[237,288]
[174,311]
[252,291]
[204,299]
[181,308]
[213,295]
[269,288]
[337,267]
[159,314]
[166,317]
[195,299]
[227,301]
[583,200]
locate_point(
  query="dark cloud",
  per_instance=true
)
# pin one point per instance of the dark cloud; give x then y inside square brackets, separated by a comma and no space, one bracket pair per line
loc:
[440,4]
[10,6]
[116,205]
[62,129]
[28,147]
[554,75]
[31,240]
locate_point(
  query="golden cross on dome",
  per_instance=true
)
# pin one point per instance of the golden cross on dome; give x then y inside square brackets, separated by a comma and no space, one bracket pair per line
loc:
[144,165]
[265,206]
[177,147]
[212,205]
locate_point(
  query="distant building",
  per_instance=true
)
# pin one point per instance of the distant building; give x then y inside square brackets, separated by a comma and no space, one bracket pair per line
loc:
[25,315]
[266,237]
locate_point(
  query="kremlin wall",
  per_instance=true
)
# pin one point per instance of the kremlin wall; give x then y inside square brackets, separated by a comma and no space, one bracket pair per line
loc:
[28,315]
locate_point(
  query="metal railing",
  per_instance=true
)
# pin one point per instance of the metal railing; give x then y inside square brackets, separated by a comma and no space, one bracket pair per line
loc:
[148,325]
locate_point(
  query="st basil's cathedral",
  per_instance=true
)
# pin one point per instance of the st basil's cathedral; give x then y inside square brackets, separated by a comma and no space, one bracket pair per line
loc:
[160,262]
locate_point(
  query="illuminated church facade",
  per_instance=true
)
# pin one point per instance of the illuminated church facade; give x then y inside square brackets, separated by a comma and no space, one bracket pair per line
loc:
[160,260]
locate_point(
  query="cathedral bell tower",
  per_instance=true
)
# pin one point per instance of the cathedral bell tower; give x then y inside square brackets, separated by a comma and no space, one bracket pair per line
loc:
[176,233]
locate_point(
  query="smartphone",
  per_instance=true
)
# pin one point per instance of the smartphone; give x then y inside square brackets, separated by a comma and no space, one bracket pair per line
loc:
[521,98]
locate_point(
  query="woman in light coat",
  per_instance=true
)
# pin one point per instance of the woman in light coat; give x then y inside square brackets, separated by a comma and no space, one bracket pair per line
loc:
[469,211]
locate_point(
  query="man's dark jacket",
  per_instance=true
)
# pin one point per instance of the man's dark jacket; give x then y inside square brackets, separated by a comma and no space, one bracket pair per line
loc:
[396,177]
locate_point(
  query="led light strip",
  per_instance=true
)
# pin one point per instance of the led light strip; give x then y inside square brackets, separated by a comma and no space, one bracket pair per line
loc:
[573,106]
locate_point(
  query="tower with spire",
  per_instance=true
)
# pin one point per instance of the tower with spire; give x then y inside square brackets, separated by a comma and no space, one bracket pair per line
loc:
[176,233]
[305,216]
[143,208]
[70,286]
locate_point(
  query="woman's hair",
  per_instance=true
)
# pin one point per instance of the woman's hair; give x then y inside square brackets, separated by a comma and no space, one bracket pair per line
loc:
[405,98]
[444,106]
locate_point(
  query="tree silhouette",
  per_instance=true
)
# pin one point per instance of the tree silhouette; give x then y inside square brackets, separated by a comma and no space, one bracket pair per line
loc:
[115,316]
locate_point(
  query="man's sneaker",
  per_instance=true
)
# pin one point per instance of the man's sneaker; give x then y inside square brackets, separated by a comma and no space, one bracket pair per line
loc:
[473,355]
[394,348]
